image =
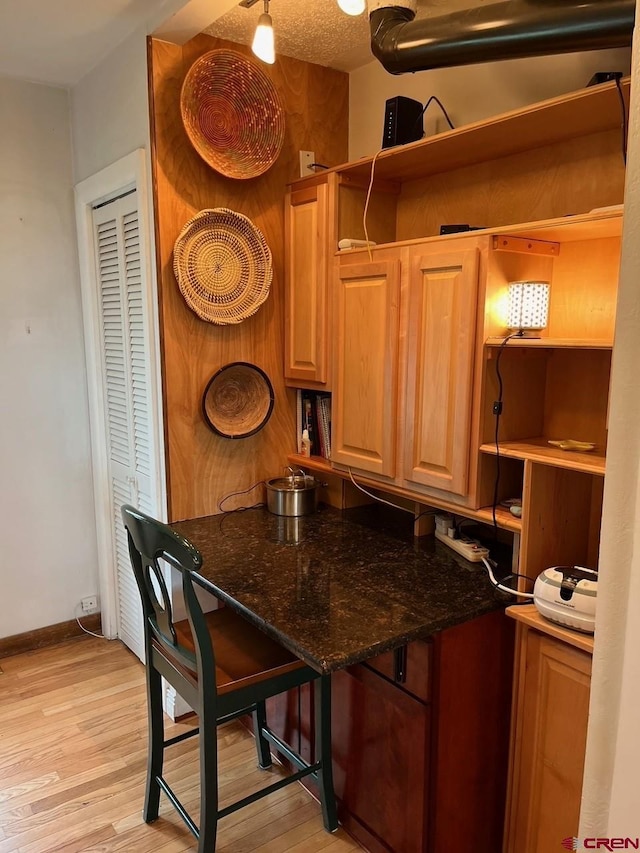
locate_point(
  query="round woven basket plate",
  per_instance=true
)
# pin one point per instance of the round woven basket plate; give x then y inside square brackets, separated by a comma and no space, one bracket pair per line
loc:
[232,114]
[223,266]
[238,400]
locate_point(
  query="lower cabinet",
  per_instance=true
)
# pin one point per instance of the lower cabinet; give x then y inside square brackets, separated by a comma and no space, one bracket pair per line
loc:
[420,744]
[381,738]
[290,715]
[420,741]
[551,708]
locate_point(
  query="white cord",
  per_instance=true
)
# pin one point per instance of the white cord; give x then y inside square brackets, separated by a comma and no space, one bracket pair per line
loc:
[499,586]
[86,630]
[383,501]
[366,203]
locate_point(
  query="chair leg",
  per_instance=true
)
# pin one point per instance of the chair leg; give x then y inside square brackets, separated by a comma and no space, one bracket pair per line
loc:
[262,744]
[208,739]
[156,749]
[322,699]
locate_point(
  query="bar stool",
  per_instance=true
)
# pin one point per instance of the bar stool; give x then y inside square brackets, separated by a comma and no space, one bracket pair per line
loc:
[224,668]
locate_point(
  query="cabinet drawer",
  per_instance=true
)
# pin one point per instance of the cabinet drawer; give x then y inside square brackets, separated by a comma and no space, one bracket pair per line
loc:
[409,667]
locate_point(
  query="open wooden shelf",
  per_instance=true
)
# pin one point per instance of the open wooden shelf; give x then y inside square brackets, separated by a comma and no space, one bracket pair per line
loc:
[505,520]
[314,463]
[529,615]
[570,116]
[550,343]
[537,450]
[594,225]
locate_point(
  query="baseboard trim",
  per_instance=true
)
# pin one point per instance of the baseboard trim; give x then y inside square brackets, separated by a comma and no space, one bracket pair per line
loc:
[49,636]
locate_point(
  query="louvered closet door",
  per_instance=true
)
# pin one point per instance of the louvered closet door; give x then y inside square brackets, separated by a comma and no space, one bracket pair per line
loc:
[126,392]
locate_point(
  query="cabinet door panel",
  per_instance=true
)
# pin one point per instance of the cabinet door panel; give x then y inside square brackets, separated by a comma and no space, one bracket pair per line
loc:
[306,285]
[365,381]
[380,761]
[550,738]
[442,314]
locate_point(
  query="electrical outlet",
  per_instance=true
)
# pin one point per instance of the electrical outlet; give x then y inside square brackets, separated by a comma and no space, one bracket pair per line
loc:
[306,159]
[89,604]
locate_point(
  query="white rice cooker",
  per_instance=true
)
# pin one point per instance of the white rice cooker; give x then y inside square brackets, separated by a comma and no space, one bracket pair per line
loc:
[567,595]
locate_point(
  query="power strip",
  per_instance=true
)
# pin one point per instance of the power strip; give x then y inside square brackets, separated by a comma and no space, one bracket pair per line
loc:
[469,549]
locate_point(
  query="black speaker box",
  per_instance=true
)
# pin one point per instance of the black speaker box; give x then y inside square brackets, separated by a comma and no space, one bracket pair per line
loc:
[402,121]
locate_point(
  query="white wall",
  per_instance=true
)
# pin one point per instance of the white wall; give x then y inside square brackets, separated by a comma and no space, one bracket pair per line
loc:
[110,106]
[46,505]
[470,93]
[610,794]
[109,109]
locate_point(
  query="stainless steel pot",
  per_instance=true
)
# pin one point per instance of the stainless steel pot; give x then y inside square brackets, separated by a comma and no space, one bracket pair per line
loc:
[294,495]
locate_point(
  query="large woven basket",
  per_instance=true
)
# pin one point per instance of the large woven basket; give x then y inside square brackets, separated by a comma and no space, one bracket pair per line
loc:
[223,266]
[232,114]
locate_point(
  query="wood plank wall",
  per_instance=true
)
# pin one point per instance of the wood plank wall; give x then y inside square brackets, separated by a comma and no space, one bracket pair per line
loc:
[202,467]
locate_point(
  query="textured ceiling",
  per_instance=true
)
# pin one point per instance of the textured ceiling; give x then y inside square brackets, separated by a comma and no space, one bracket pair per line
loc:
[317,30]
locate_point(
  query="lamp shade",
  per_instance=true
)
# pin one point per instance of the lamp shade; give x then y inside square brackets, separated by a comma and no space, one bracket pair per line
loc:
[528,305]
[352,7]
[263,46]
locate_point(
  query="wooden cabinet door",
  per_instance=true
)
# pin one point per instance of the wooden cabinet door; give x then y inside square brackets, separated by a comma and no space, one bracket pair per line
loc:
[366,316]
[380,740]
[550,732]
[306,250]
[441,337]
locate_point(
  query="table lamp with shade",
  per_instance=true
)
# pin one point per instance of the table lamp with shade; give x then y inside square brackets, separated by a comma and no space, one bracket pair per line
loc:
[528,306]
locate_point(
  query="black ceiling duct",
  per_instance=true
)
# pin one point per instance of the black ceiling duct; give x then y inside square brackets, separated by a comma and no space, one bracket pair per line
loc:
[507,30]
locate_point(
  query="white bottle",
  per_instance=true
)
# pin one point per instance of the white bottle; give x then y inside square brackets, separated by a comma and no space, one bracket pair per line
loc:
[306,443]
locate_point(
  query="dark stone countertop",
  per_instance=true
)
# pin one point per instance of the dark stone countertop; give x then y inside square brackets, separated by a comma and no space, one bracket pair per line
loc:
[337,587]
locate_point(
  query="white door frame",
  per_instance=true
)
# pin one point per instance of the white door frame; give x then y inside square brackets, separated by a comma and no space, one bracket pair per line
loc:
[125,174]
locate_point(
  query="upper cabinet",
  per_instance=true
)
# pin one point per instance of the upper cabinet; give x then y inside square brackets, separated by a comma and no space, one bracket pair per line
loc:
[434,399]
[405,328]
[441,317]
[308,253]
[366,327]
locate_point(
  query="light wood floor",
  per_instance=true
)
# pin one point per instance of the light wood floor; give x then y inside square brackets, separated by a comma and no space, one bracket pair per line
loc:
[72,765]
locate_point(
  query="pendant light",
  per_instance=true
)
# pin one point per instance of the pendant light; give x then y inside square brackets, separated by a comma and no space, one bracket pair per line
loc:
[352,7]
[263,46]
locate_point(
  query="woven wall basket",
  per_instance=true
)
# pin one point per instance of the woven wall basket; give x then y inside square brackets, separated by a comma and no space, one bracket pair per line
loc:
[238,400]
[232,114]
[223,266]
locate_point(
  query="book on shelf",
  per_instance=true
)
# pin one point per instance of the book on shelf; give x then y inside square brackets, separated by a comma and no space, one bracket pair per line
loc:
[313,413]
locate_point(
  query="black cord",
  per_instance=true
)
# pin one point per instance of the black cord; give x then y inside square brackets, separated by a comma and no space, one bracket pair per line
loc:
[425,512]
[624,120]
[504,581]
[439,103]
[243,492]
[497,410]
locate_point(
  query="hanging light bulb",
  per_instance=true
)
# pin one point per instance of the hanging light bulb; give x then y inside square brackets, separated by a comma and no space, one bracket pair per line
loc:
[263,46]
[352,7]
